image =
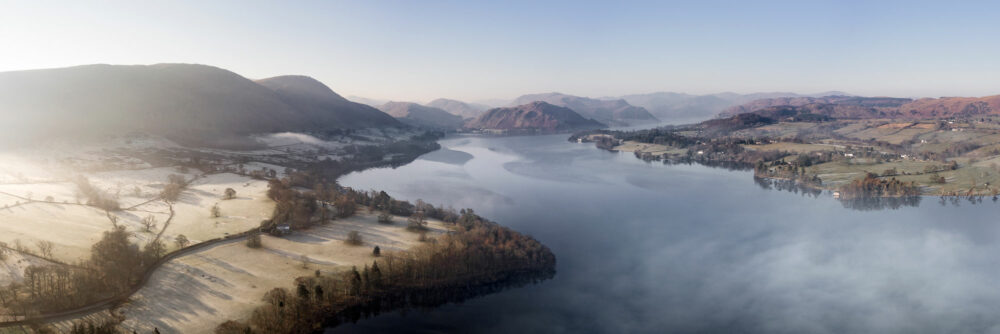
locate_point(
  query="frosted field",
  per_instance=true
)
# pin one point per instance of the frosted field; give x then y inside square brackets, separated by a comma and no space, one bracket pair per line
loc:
[202,289]
[192,211]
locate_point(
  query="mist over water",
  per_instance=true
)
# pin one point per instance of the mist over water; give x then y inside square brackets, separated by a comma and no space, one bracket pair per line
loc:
[651,248]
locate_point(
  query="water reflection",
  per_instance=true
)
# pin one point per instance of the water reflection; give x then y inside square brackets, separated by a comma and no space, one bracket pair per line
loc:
[786,185]
[855,203]
[654,248]
[880,203]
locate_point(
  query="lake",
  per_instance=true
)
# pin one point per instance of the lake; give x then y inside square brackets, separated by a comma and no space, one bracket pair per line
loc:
[652,248]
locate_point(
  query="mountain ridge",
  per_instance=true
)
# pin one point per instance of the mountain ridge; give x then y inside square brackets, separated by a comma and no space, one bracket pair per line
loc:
[460,108]
[537,115]
[419,115]
[611,112]
[179,101]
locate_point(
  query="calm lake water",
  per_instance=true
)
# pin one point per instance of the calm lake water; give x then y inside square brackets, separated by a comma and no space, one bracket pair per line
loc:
[653,248]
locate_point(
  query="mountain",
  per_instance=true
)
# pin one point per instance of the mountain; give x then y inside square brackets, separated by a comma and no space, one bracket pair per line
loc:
[318,103]
[833,106]
[492,103]
[611,112]
[422,116]
[188,103]
[689,107]
[375,103]
[536,115]
[459,108]
[680,106]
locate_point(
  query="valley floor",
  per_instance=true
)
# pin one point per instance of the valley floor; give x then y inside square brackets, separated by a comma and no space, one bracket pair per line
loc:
[48,218]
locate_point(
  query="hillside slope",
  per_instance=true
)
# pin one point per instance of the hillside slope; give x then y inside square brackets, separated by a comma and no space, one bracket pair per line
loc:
[185,102]
[854,107]
[952,107]
[316,102]
[422,116]
[833,106]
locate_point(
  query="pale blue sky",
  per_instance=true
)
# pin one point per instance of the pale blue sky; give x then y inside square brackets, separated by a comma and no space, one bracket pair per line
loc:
[420,50]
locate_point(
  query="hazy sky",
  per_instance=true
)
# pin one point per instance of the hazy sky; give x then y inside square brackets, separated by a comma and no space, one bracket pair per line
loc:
[420,50]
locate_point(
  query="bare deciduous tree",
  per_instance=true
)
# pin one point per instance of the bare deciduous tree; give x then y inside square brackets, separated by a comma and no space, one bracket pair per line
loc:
[149,223]
[385,218]
[45,248]
[354,238]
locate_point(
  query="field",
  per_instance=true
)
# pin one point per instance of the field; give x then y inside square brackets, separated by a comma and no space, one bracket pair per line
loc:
[202,289]
[73,227]
[192,211]
[916,150]
[53,209]
[794,147]
[41,200]
[655,149]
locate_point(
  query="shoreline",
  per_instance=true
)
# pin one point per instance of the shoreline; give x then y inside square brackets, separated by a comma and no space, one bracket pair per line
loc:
[655,152]
[446,289]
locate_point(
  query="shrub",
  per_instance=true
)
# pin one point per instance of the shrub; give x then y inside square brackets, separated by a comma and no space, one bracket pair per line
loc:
[181,241]
[230,193]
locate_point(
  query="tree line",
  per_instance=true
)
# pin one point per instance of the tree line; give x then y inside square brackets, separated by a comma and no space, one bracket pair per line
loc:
[873,186]
[115,265]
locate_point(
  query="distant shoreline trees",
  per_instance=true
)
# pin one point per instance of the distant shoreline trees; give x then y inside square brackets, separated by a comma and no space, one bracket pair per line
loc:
[873,186]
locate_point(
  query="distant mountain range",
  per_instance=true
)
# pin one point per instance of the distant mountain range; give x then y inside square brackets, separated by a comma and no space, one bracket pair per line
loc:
[422,116]
[685,107]
[455,107]
[610,112]
[854,107]
[634,109]
[180,101]
[197,103]
[537,115]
